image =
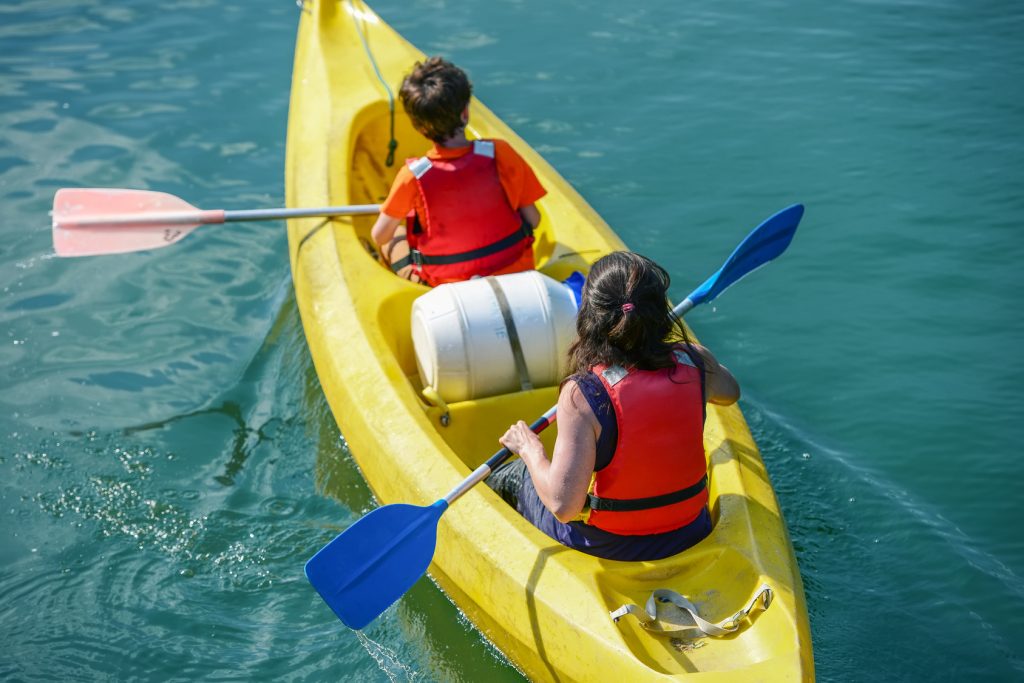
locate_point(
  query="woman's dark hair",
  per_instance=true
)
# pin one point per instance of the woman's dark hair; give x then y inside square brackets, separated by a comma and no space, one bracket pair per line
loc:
[624,317]
[434,96]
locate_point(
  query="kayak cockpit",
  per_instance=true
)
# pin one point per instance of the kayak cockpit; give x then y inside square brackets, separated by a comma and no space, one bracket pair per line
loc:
[471,428]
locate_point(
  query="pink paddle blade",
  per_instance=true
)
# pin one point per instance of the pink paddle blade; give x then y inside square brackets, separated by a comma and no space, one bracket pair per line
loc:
[91,221]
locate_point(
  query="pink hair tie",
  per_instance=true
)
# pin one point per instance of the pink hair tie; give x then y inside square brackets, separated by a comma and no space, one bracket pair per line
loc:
[626,308]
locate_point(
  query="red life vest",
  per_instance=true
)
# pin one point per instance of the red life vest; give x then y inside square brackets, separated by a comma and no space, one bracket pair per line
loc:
[657,479]
[468,226]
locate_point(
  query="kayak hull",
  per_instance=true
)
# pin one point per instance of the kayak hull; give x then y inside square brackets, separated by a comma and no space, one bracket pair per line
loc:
[546,607]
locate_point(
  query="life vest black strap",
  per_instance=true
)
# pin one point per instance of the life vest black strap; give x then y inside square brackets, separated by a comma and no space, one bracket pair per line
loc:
[418,258]
[635,504]
[401,263]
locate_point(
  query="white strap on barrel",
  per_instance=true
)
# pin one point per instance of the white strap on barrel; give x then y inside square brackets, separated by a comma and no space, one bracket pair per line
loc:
[668,613]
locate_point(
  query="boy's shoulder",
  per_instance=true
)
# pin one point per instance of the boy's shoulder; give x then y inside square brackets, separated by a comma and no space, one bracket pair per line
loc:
[504,150]
[502,145]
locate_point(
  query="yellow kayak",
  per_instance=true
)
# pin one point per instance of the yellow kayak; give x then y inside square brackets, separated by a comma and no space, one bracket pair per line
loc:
[546,607]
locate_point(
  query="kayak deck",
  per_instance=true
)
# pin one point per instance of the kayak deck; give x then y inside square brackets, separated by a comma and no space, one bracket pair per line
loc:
[545,606]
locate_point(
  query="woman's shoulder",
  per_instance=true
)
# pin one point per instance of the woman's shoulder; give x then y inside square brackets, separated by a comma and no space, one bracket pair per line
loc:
[591,388]
[584,380]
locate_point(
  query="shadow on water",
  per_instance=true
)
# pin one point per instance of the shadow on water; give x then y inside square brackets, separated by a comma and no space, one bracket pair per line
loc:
[245,440]
[336,474]
[457,651]
[250,403]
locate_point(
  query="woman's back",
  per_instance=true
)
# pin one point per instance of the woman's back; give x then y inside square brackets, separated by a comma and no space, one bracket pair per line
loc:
[648,498]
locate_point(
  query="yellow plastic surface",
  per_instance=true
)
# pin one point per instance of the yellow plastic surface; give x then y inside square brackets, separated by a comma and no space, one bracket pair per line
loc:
[545,606]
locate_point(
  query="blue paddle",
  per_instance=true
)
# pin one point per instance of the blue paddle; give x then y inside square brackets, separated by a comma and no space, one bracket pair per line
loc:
[375,561]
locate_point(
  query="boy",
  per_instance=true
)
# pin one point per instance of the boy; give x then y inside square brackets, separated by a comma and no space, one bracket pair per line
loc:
[470,205]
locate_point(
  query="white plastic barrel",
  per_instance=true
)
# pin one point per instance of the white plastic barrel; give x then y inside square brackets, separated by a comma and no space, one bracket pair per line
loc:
[462,344]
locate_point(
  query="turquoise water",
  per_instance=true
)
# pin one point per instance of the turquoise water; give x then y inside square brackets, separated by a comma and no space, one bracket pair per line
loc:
[168,461]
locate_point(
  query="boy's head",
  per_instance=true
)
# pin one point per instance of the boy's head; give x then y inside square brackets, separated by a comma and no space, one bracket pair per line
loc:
[435,95]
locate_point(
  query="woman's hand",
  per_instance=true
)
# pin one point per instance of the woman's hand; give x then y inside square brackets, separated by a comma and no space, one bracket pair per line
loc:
[521,440]
[562,482]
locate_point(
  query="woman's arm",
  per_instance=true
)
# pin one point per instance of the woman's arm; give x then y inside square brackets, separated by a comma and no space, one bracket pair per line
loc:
[562,482]
[722,388]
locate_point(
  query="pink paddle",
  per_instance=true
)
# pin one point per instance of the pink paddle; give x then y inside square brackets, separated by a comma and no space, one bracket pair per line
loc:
[92,221]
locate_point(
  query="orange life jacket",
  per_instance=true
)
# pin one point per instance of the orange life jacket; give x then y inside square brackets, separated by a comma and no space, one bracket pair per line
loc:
[657,478]
[468,226]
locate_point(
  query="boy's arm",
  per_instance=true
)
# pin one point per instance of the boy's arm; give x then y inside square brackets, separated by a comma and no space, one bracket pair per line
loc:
[522,188]
[398,203]
[531,215]
[384,229]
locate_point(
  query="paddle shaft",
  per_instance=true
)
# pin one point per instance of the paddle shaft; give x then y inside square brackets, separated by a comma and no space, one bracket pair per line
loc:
[542,423]
[280,214]
[484,471]
[214,216]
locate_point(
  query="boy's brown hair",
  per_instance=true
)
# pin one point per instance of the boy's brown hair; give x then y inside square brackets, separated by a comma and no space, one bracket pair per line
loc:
[434,96]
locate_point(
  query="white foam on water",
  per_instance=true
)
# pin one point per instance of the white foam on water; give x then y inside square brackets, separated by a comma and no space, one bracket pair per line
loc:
[387,659]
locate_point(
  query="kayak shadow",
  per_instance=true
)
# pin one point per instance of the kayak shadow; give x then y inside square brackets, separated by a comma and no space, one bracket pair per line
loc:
[543,556]
[726,452]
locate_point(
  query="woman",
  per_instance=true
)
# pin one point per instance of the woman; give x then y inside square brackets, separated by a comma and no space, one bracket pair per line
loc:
[628,476]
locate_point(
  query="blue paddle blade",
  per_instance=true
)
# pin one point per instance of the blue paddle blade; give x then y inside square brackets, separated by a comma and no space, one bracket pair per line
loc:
[375,561]
[763,244]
